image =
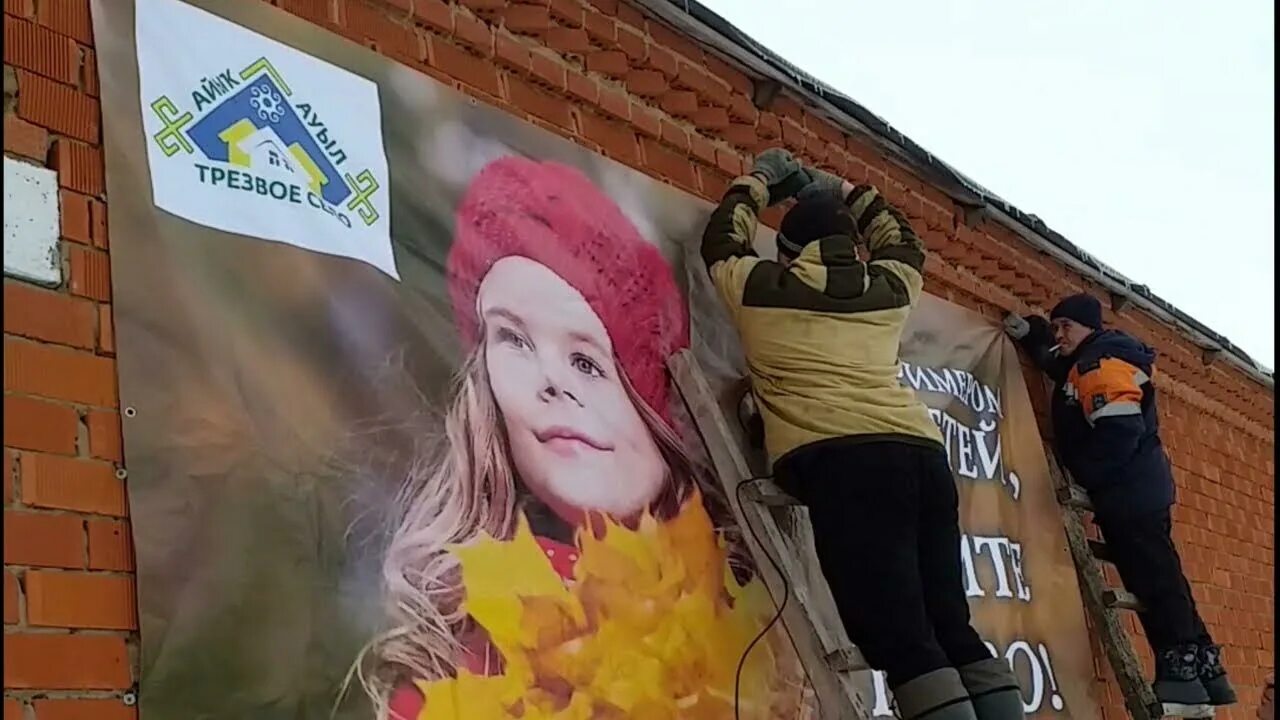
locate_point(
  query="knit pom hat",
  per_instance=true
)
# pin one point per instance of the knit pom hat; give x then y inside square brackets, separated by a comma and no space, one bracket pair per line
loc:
[810,220]
[554,215]
[1082,308]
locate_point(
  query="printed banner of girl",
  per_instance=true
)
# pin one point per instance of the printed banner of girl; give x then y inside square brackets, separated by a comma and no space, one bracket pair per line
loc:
[400,437]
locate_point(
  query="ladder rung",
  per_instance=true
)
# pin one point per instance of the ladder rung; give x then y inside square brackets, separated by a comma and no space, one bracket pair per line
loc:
[1100,550]
[846,660]
[766,493]
[1074,496]
[1121,600]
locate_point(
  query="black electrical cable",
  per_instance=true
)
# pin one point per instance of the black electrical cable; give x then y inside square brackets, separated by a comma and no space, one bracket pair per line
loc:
[786,595]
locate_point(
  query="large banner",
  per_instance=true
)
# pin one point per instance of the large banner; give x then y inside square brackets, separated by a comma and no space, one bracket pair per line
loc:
[400,437]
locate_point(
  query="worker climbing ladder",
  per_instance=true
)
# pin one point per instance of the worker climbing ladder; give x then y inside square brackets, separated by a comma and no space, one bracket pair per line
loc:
[829,659]
[1103,605]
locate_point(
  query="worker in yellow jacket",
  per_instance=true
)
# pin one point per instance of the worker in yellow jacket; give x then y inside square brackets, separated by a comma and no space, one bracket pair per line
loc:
[821,329]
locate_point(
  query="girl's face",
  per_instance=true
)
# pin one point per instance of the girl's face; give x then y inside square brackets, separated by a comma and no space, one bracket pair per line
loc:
[577,441]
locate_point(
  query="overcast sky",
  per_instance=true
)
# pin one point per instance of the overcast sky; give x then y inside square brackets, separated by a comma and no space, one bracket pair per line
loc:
[1141,131]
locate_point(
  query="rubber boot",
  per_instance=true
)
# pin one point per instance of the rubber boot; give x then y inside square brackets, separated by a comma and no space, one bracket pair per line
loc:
[993,689]
[1178,676]
[937,695]
[1214,676]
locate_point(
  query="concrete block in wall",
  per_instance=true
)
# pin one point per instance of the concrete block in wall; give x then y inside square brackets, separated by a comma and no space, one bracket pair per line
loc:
[31,223]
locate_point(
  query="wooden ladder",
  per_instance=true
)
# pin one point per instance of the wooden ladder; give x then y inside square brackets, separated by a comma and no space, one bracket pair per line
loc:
[1103,604]
[829,659]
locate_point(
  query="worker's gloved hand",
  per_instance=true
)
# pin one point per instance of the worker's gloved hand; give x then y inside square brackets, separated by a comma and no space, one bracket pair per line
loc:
[1016,326]
[781,172]
[822,185]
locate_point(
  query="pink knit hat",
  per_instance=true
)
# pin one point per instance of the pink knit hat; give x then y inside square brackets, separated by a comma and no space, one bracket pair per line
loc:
[555,215]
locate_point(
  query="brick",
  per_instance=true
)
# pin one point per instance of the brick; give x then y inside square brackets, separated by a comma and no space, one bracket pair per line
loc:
[25,9]
[647,120]
[742,109]
[106,330]
[63,483]
[66,662]
[57,107]
[629,15]
[679,103]
[67,17]
[24,139]
[90,273]
[614,138]
[317,11]
[10,467]
[433,14]
[530,99]
[728,161]
[646,83]
[373,23]
[731,76]
[32,424]
[674,135]
[769,127]
[702,148]
[484,6]
[98,224]
[743,136]
[711,118]
[567,12]
[43,540]
[527,19]
[59,373]
[673,41]
[104,435]
[600,29]
[511,52]
[583,88]
[474,33]
[85,709]
[615,103]
[80,600]
[608,7]
[662,60]
[668,164]
[465,67]
[11,613]
[49,316]
[79,167]
[608,62]
[548,72]
[40,50]
[110,545]
[13,710]
[568,40]
[633,44]
[76,221]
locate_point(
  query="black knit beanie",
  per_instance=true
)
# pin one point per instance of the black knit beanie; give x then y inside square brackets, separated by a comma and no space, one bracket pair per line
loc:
[811,220]
[1083,308]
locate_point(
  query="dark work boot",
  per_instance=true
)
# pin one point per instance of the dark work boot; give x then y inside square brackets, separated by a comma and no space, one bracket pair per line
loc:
[1214,676]
[1178,676]
[993,689]
[937,695]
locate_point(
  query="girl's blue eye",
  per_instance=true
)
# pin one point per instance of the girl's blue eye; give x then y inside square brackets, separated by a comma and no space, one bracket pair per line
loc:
[586,366]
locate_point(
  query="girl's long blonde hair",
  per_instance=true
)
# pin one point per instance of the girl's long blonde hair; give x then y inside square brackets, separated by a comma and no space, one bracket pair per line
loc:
[467,487]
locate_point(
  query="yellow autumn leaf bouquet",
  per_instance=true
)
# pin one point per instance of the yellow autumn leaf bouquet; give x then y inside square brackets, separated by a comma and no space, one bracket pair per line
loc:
[652,628]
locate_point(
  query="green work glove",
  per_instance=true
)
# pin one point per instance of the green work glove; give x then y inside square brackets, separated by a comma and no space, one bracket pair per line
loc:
[781,172]
[822,184]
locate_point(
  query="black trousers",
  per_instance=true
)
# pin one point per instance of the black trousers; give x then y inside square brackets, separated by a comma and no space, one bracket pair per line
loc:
[886,529]
[1143,552]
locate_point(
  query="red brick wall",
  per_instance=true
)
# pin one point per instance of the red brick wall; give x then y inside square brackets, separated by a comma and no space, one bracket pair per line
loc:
[600,74]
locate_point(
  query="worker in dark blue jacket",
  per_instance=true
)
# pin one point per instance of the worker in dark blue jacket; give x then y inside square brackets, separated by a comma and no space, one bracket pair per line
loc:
[1106,432]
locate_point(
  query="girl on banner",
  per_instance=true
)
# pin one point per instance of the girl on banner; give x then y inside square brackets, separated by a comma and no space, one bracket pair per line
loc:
[566,557]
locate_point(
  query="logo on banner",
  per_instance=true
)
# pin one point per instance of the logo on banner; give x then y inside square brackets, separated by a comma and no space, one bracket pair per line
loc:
[283,147]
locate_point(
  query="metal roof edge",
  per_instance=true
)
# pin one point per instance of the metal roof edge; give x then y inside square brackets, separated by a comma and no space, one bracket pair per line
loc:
[705,25]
